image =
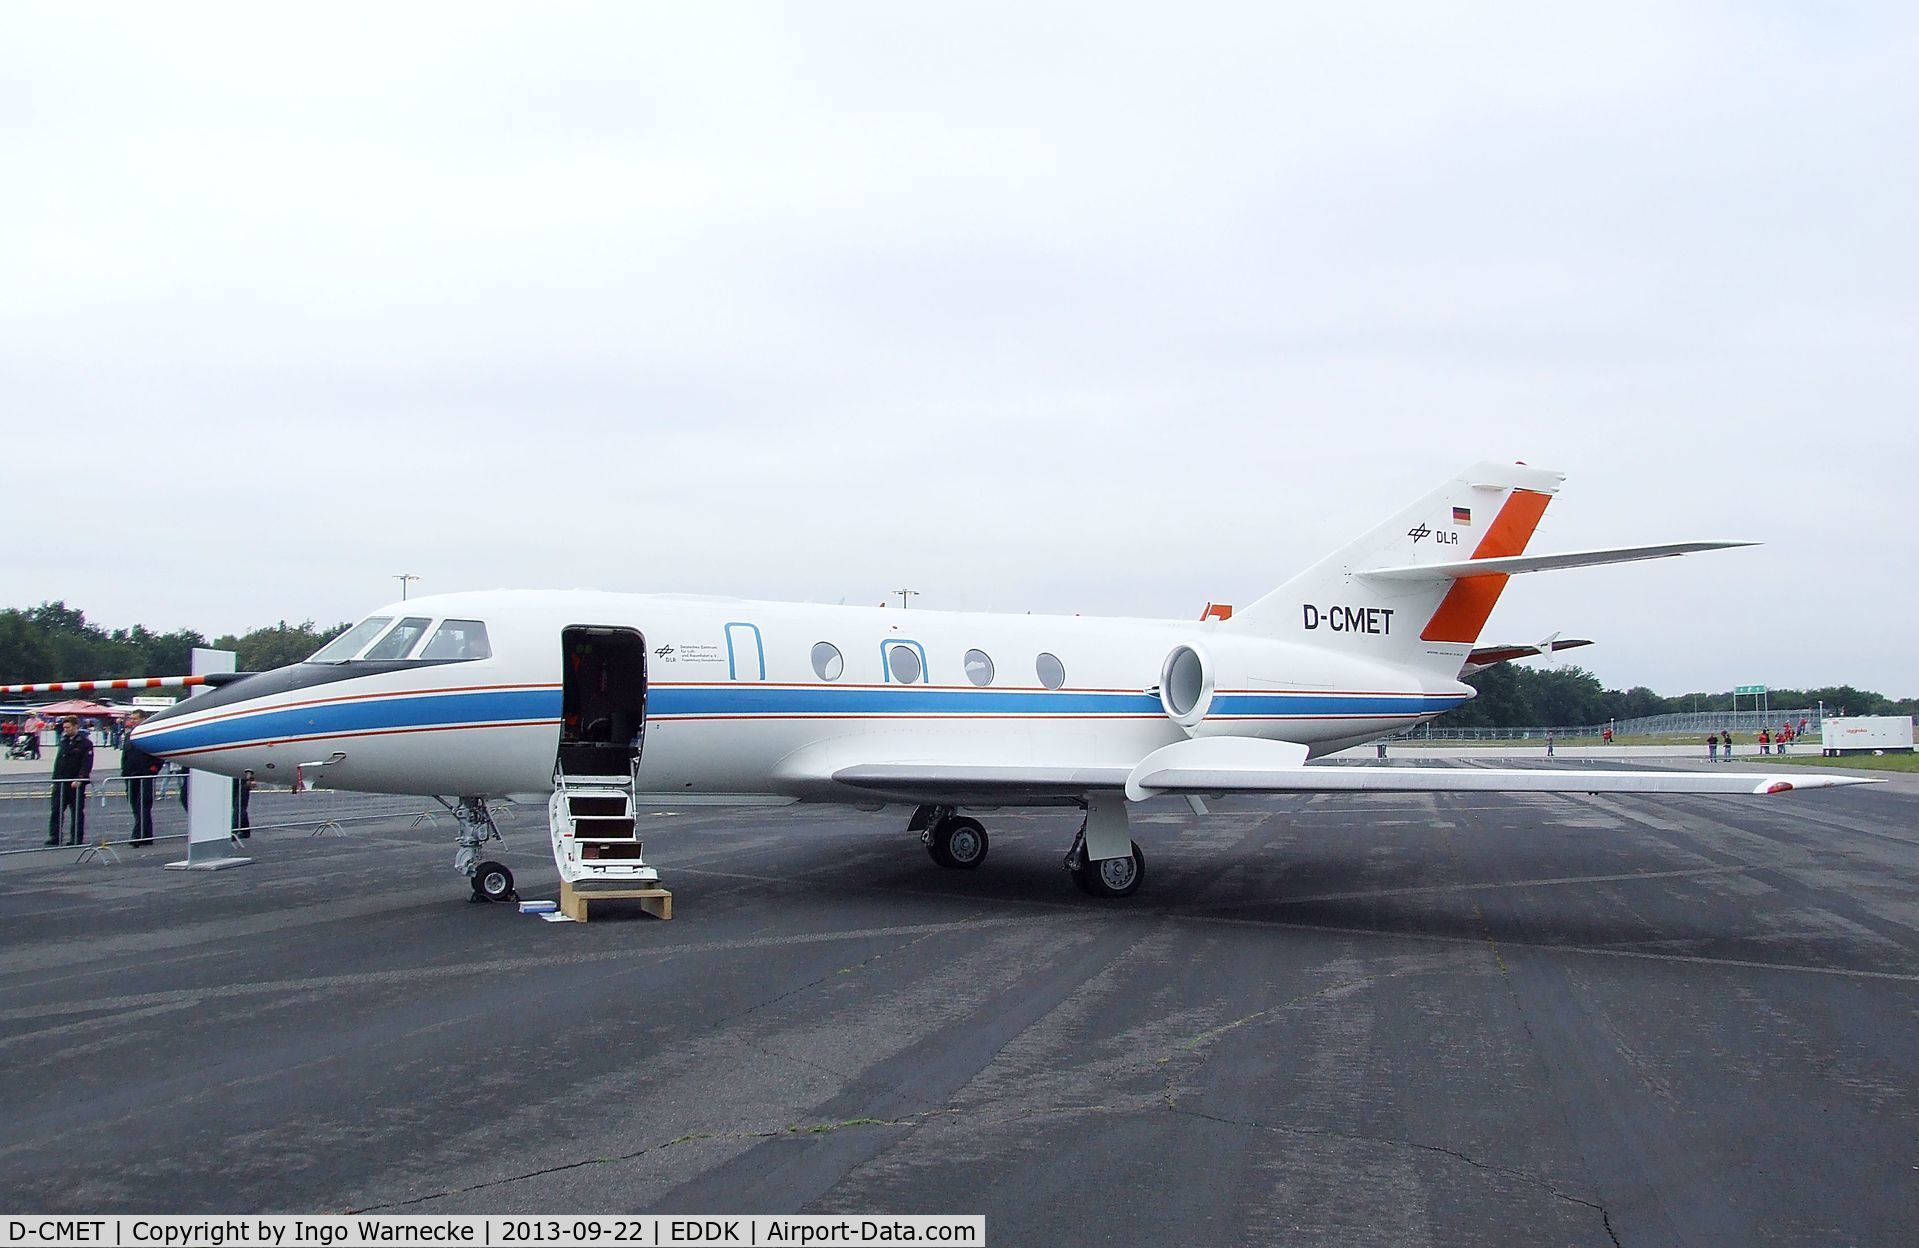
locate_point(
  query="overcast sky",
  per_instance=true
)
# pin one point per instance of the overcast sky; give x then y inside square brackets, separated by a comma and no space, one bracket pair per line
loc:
[1111,309]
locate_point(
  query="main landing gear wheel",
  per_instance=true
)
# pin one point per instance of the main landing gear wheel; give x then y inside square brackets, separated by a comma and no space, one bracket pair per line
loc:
[958,843]
[1111,877]
[493,882]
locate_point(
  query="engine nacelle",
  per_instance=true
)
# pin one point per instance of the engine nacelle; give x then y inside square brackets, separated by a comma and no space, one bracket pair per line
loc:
[1186,685]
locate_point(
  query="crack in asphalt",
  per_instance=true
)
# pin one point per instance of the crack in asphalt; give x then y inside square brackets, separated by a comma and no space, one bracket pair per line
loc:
[1525,1023]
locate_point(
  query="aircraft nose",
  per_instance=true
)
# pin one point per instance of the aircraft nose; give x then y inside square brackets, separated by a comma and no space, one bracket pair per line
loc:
[163,734]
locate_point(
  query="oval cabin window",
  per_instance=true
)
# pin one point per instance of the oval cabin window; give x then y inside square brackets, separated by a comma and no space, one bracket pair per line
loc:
[979,667]
[827,663]
[905,662]
[1052,672]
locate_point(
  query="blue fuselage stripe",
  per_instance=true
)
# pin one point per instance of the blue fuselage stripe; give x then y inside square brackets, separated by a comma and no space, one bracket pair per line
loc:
[475,709]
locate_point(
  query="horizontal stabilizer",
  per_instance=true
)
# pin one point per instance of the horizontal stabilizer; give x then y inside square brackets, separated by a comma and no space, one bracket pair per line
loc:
[1486,656]
[1512,565]
[1483,657]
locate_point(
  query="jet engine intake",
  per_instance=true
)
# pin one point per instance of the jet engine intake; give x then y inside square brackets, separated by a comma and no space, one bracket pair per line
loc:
[1186,686]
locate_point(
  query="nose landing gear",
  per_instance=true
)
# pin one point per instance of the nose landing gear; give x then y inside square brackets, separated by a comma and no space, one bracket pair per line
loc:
[492,881]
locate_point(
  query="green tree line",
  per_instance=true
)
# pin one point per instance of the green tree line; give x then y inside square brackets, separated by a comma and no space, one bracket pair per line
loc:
[1512,696]
[56,642]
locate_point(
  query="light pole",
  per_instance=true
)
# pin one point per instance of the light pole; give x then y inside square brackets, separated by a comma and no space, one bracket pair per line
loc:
[905,594]
[403,578]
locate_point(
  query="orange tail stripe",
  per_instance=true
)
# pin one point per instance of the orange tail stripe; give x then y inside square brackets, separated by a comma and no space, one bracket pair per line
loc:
[1467,605]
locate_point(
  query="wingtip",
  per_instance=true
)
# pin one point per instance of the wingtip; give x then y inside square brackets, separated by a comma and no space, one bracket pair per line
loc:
[1780,784]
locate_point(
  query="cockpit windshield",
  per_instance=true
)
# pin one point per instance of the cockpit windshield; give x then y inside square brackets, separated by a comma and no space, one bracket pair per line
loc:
[398,643]
[451,642]
[348,644]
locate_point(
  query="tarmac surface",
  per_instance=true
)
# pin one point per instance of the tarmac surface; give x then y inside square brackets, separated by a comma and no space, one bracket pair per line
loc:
[1352,1019]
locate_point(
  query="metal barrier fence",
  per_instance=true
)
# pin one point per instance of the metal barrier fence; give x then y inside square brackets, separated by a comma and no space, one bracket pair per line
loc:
[26,803]
[1682,724]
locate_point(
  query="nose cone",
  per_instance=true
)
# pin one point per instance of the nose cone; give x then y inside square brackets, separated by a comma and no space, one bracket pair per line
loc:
[191,730]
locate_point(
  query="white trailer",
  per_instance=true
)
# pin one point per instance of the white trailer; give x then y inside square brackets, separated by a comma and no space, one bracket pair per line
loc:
[1866,734]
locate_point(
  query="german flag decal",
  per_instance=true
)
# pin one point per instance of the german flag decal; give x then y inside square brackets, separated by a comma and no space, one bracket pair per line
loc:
[1462,515]
[1463,611]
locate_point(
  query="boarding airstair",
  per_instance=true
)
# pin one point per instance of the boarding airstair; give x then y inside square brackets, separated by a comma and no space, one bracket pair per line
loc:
[595,838]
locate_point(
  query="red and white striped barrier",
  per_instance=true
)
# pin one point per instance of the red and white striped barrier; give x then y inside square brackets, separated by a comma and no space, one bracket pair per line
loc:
[89,686]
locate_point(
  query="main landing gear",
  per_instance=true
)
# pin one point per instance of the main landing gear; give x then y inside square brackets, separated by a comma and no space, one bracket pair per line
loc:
[492,881]
[951,840]
[1107,877]
[1104,861]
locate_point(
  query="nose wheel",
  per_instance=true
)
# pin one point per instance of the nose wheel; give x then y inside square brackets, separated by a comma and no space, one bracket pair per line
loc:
[493,882]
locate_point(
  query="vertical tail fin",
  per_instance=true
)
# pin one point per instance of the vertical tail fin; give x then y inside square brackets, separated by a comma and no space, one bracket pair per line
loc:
[1488,511]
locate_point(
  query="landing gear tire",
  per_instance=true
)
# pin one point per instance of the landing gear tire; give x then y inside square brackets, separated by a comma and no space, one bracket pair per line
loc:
[1112,877]
[958,843]
[493,882]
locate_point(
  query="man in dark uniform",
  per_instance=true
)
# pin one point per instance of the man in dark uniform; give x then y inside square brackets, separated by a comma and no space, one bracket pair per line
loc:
[72,768]
[139,768]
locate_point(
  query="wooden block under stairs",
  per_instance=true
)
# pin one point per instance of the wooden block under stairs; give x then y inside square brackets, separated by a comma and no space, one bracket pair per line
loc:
[653,899]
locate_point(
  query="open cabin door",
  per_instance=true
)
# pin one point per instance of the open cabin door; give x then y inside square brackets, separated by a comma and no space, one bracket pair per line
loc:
[602,700]
[602,731]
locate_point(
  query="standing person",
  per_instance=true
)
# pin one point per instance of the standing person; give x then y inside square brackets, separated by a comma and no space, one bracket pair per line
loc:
[34,726]
[1765,741]
[1725,739]
[139,768]
[72,768]
[1549,745]
[242,798]
[1712,747]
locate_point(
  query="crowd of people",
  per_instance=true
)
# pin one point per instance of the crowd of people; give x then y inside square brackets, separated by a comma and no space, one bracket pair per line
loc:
[1771,740]
[139,771]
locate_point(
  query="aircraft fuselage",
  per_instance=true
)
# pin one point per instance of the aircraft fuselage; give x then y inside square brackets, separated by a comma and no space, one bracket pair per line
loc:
[741,702]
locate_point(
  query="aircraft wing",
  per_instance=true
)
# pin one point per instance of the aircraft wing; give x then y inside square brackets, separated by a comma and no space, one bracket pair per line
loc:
[981,781]
[1251,765]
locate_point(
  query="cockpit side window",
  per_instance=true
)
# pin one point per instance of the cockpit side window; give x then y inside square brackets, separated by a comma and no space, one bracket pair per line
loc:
[458,639]
[397,643]
[348,644]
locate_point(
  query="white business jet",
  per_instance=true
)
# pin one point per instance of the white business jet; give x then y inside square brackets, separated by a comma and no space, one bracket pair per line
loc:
[602,703]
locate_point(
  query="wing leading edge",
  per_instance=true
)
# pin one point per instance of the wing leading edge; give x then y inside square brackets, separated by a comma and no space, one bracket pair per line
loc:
[1252,765]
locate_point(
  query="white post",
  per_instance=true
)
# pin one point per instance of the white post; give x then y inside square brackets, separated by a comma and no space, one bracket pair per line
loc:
[209,797]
